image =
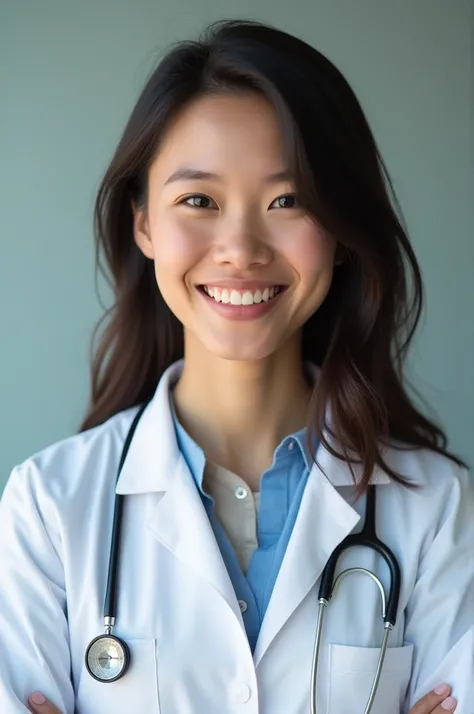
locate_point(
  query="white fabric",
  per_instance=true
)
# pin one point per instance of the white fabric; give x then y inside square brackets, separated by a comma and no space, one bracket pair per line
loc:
[177,609]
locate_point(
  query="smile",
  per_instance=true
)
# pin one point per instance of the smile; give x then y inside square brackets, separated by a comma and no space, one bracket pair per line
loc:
[241,297]
[240,304]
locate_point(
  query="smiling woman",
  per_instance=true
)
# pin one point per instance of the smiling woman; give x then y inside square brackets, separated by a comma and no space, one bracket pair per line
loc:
[248,402]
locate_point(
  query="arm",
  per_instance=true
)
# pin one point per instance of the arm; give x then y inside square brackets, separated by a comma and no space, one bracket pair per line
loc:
[440,613]
[33,626]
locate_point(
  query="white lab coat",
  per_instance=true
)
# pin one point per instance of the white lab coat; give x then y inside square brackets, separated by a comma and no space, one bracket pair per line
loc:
[177,608]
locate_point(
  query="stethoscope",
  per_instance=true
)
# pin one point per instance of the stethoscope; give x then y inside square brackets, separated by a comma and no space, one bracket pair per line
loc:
[108,657]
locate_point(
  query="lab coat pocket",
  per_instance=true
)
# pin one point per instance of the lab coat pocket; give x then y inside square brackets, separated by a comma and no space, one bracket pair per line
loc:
[136,691]
[351,674]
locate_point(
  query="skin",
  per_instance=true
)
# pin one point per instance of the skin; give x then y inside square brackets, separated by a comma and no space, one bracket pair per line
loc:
[227,397]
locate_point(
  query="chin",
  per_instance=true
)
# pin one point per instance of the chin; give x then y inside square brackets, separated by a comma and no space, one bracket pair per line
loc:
[242,351]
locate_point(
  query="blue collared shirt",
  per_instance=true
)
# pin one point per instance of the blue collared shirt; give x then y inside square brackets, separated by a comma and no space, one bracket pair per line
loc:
[281,491]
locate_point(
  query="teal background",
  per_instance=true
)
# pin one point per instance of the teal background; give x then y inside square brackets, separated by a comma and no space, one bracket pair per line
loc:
[70,72]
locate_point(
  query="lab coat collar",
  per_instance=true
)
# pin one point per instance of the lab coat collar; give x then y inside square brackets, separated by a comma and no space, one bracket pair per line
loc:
[338,472]
[154,450]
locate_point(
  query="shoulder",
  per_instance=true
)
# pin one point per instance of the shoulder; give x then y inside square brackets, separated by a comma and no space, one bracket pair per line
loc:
[440,490]
[426,470]
[81,461]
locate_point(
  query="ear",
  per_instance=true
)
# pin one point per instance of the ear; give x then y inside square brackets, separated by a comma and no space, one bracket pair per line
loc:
[141,231]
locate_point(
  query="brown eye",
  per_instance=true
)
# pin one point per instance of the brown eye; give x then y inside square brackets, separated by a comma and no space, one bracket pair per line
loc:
[288,200]
[198,200]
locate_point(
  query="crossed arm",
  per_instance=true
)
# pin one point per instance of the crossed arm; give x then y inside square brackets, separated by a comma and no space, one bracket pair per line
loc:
[438,701]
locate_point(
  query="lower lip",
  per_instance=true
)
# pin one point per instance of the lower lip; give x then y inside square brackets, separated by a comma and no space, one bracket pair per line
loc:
[242,312]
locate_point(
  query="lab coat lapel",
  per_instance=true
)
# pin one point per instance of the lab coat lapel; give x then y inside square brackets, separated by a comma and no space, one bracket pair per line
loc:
[181,524]
[155,465]
[323,521]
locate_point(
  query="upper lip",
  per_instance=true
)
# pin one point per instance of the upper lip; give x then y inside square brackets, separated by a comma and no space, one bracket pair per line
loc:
[238,284]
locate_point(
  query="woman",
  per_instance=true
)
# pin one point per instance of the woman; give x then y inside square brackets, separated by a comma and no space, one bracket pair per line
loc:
[247,186]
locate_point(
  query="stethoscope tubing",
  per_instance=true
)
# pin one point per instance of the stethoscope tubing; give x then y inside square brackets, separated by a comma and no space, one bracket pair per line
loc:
[110,602]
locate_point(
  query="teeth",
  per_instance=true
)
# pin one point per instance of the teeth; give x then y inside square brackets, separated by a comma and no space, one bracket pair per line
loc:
[247,297]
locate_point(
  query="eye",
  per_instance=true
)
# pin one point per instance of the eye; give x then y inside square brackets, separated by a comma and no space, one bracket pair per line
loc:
[198,200]
[288,200]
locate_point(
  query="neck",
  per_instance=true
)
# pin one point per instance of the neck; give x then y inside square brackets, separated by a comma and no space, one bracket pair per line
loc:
[238,412]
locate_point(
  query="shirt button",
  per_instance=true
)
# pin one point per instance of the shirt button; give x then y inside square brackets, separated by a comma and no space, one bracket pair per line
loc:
[243,605]
[241,692]
[291,446]
[241,492]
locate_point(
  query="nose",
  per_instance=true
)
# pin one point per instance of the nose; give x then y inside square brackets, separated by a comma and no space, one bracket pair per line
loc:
[241,245]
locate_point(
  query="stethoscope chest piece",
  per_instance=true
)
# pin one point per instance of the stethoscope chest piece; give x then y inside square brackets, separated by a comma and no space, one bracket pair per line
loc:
[107,658]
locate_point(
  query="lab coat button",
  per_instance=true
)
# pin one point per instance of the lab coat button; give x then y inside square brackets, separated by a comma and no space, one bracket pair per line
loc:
[241,492]
[241,692]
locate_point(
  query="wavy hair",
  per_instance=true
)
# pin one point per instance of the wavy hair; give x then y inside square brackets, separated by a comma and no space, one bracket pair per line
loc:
[360,335]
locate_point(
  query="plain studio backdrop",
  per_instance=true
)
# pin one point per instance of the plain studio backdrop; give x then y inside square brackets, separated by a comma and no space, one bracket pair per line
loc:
[70,72]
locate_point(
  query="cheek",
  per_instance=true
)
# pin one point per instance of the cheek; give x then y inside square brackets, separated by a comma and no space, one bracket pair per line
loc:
[178,245]
[311,253]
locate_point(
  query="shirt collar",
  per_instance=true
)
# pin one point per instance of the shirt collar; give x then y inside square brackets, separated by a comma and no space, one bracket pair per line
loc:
[192,453]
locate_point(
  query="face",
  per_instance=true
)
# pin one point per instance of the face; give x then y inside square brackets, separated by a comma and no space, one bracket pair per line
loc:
[238,262]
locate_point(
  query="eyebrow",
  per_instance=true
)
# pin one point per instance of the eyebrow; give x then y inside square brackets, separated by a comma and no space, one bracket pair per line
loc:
[189,174]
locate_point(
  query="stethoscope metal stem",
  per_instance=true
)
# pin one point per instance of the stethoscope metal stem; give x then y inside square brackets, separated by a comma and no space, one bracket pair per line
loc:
[378,671]
[317,647]
[109,623]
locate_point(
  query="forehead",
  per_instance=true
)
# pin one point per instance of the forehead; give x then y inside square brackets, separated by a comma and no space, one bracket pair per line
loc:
[225,134]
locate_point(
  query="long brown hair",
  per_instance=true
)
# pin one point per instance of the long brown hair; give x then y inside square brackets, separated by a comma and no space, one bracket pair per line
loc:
[360,335]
